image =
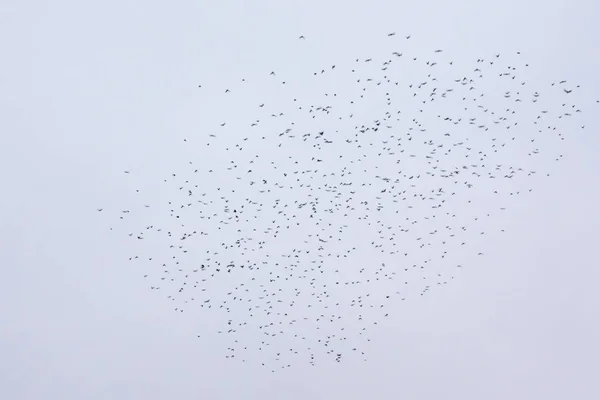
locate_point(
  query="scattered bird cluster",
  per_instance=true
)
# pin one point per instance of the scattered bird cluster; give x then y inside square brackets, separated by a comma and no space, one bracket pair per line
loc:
[359,186]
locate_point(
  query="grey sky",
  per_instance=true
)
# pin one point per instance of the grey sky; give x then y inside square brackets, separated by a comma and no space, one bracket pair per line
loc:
[89,90]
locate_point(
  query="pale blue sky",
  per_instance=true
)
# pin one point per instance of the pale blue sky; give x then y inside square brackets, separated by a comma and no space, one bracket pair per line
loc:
[92,89]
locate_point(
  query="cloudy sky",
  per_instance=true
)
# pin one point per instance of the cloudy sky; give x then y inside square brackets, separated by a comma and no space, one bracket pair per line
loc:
[92,89]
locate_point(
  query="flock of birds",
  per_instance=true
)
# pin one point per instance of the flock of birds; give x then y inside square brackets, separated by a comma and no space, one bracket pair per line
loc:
[301,228]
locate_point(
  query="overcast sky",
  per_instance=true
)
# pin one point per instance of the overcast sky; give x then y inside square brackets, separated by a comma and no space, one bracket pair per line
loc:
[90,89]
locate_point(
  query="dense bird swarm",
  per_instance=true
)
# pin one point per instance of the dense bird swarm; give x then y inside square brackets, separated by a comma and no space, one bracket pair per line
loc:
[348,190]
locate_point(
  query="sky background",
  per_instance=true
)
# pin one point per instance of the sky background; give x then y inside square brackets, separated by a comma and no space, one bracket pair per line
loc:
[92,89]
